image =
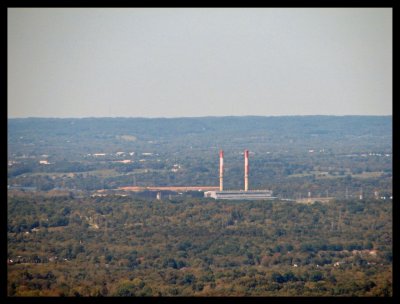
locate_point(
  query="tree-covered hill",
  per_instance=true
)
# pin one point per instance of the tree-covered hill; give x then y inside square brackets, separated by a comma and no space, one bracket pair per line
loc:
[125,246]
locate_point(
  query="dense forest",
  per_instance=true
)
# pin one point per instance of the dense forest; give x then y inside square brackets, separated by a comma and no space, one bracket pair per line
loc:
[127,246]
[72,232]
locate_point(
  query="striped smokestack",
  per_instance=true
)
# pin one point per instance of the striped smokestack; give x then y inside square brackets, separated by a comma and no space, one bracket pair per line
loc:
[246,170]
[221,170]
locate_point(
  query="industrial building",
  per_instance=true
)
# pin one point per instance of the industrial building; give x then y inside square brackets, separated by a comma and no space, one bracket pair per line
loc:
[245,194]
[240,194]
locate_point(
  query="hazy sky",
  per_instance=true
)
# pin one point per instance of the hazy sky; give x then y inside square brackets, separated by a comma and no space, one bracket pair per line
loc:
[92,62]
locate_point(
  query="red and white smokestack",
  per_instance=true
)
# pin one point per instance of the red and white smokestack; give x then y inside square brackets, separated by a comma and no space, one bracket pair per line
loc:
[246,170]
[221,170]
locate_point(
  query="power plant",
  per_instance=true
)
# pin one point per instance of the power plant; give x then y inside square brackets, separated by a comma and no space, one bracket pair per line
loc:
[245,194]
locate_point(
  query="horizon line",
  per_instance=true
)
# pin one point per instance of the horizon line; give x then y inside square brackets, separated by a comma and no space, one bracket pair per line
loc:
[208,116]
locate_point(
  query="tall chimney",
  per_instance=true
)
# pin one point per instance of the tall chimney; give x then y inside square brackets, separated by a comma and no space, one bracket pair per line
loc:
[246,170]
[221,170]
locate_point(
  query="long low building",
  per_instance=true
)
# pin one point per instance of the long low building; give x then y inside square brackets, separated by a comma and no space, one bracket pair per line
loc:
[172,188]
[240,194]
